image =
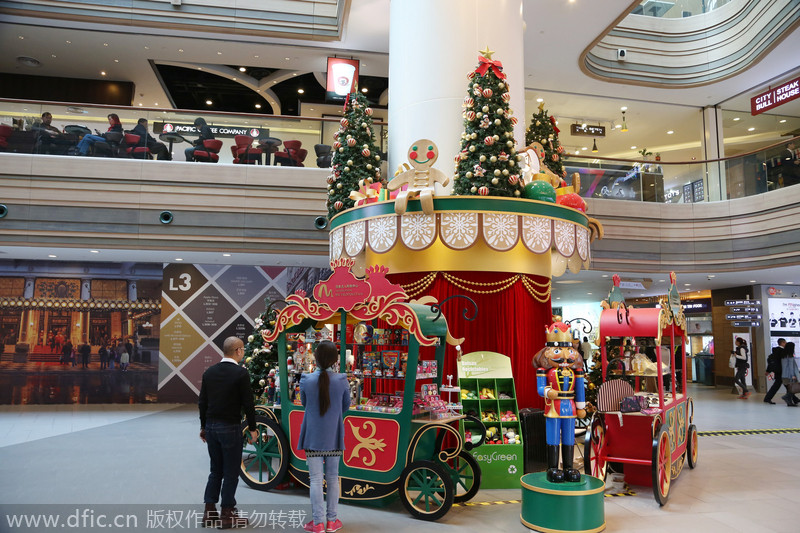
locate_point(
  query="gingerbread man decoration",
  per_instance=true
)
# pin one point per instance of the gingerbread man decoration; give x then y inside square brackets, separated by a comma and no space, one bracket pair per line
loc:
[420,178]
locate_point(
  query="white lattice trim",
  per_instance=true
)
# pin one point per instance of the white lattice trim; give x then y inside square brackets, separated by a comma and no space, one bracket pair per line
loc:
[537,233]
[500,231]
[355,237]
[582,242]
[417,230]
[382,233]
[458,230]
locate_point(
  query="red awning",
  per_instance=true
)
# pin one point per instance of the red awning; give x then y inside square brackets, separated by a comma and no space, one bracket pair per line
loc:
[640,322]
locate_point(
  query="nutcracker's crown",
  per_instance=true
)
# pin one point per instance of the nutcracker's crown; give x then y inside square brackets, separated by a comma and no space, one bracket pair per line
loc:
[558,334]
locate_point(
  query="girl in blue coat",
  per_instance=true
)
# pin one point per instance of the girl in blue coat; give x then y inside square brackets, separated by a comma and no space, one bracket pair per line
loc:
[326,397]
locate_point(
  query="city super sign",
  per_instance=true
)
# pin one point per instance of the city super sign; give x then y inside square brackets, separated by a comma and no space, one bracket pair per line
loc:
[775,97]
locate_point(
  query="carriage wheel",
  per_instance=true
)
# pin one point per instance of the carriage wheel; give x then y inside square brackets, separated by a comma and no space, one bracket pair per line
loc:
[265,462]
[426,490]
[595,449]
[691,447]
[465,473]
[662,460]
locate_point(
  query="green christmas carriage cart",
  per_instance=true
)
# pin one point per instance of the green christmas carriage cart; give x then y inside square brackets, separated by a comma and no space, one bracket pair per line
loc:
[391,452]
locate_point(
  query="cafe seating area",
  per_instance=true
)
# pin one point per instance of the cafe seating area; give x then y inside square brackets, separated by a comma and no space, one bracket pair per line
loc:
[293,155]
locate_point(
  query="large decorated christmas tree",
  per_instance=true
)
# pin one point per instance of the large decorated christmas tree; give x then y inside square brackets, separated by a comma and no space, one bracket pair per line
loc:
[260,357]
[356,158]
[544,131]
[487,164]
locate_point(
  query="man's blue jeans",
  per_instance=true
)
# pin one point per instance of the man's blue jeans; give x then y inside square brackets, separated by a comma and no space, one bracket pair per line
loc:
[224,441]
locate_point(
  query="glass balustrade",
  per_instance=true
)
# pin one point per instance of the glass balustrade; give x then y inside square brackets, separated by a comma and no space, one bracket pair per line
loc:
[768,168]
[309,131]
[677,8]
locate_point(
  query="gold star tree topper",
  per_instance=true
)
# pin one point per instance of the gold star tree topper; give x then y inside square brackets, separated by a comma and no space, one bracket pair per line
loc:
[487,53]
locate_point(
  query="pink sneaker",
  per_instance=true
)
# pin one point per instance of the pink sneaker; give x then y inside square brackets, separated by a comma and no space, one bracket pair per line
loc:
[336,525]
[311,527]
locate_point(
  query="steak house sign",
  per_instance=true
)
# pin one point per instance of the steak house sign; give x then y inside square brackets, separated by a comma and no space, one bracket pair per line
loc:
[218,131]
[775,97]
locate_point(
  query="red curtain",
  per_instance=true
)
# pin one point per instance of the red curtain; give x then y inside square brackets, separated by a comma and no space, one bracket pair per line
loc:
[510,321]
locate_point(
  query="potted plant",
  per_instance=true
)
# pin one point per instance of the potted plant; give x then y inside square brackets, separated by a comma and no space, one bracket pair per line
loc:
[658,156]
[645,153]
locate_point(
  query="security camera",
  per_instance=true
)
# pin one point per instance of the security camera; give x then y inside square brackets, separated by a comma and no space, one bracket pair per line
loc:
[621,54]
[321,222]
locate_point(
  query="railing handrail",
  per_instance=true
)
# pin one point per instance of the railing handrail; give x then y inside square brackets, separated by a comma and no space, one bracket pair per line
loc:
[204,112]
[695,162]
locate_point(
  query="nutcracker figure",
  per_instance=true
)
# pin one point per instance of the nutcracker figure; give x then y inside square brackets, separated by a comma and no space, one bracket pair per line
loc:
[560,381]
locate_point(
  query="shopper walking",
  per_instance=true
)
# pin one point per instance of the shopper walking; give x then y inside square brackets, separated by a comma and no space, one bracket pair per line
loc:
[224,393]
[741,368]
[774,371]
[326,397]
[790,374]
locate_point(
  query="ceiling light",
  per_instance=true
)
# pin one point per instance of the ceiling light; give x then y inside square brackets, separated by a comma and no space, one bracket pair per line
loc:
[105,44]
[594,146]
[242,69]
[577,152]
[540,100]
[226,255]
[209,102]
[623,108]
[147,48]
[255,57]
[29,61]
[311,109]
[286,58]
[737,119]
[51,255]
[670,132]
[782,121]
[258,106]
[300,91]
[605,275]
[633,148]
[219,53]
[687,284]
[69,42]
[363,89]
[116,61]
[750,129]
[53,56]
[140,104]
[618,126]
[102,72]
[180,49]
[788,282]
[94,251]
[588,293]
[712,276]
[584,147]
[752,281]
[178,259]
[21,37]
[583,126]
[234,79]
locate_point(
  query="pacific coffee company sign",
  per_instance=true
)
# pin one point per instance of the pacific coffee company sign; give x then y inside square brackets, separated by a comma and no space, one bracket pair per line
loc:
[218,131]
[775,97]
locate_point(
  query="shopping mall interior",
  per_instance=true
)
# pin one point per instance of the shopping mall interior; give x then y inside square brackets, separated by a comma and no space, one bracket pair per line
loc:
[674,129]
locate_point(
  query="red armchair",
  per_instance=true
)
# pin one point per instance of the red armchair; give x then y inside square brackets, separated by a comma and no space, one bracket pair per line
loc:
[293,156]
[209,152]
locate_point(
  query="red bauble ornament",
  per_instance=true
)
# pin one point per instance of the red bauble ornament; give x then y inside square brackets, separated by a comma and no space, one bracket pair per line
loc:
[336,145]
[555,157]
[470,75]
[560,149]
[483,191]
[506,97]
[351,142]
[487,93]
[468,101]
[338,205]
[470,115]
[514,121]
[368,111]
[513,179]
[489,140]
[365,152]
[572,200]
[344,122]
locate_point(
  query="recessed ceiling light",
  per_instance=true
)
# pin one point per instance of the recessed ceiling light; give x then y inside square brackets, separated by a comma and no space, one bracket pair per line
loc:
[294,73]
[670,132]
[178,259]
[558,297]
[540,100]
[300,91]
[363,89]
[584,148]
[226,255]
[687,284]
[662,280]
[633,148]
[286,58]
[737,119]
[782,121]
[51,255]
[105,44]
[311,109]
[605,275]
[589,293]
[242,69]
[155,103]
[219,53]
[53,56]
[180,49]
[69,42]
[147,48]
[788,282]
[116,61]
[752,281]
[140,104]
[712,276]
[623,108]
[750,129]
[21,37]
[234,79]
[577,152]
[256,57]
[102,72]
[258,106]
[617,126]
[209,102]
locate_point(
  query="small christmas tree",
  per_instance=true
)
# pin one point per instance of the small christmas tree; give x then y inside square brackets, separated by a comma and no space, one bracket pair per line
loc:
[260,357]
[356,158]
[543,130]
[487,163]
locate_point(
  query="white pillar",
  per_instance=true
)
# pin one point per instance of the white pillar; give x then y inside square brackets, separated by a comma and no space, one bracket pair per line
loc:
[714,148]
[432,48]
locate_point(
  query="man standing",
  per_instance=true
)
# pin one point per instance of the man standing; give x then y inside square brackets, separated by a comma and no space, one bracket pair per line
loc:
[225,392]
[774,370]
[86,353]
